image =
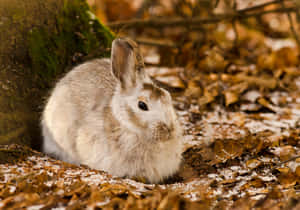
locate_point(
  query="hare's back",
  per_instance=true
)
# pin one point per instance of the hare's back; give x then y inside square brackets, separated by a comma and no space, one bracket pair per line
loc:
[89,83]
[86,89]
[94,74]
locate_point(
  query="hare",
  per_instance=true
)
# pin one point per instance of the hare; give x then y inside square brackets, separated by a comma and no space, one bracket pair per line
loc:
[109,115]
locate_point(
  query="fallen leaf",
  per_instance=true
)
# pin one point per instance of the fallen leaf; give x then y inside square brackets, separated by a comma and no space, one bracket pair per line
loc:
[230,97]
[284,152]
[253,163]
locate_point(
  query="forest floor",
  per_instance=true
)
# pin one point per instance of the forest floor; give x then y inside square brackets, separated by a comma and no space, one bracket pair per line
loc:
[232,159]
[236,90]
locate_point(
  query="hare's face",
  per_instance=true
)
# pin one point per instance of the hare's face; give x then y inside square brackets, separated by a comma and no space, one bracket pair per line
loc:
[142,106]
[148,110]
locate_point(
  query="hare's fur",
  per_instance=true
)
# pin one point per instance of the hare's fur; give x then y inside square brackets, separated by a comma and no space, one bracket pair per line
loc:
[86,121]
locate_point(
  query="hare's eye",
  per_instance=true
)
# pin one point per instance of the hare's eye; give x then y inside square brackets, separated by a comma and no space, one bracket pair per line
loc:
[143,106]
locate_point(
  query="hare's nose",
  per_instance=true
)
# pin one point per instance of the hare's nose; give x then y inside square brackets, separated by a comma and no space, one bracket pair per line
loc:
[164,130]
[163,127]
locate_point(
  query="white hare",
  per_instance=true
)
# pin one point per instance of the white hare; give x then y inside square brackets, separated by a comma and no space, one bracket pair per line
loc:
[109,115]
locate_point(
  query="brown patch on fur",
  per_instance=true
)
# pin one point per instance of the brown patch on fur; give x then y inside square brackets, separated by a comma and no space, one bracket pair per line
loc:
[156,92]
[134,119]
[162,132]
[142,98]
[172,128]
[139,62]
[130,42]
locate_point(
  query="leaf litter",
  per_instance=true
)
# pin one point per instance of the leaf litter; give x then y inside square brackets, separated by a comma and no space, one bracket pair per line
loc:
[229,156]
[238,103]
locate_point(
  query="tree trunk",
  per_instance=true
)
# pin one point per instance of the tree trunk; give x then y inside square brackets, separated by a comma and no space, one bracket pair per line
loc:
[40,39]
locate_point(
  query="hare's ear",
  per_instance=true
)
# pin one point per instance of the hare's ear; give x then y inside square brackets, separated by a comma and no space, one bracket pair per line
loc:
[123,62]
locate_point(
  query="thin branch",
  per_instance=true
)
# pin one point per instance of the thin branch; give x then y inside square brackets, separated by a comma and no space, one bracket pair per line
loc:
[292,27]
[188,22]
[261,6]
[155,42]
[236,34]
[289,160]
[234,26]
[163,22]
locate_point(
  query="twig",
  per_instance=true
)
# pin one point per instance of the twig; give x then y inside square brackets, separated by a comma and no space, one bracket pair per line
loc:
[260,6]
[286,161]
[158,43]
[292,27]
[236,38]
[188,22]
[163,22]
[279,10]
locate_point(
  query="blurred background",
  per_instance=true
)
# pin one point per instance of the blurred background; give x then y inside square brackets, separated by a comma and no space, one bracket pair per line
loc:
[220,48]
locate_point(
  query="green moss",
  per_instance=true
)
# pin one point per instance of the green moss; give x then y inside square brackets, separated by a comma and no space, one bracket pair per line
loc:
[77,33]
[41,40]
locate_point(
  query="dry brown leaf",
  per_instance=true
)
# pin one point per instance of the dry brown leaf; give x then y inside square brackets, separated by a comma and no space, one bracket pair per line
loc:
[120,10]
[266,61]
[193,89]
[298,171]
[284,152]
[257,182]
[259,81]
[171,81]
[253,163]
[233,148]
[252,96]
[284,170]
[219,151]
[239,119]
[287,179]
[214,60]
[265,103]
[285,57]
[209,94]
[231,97]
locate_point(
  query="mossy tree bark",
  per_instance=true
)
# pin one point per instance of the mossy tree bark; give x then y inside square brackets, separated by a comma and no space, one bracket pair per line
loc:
[40,39]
